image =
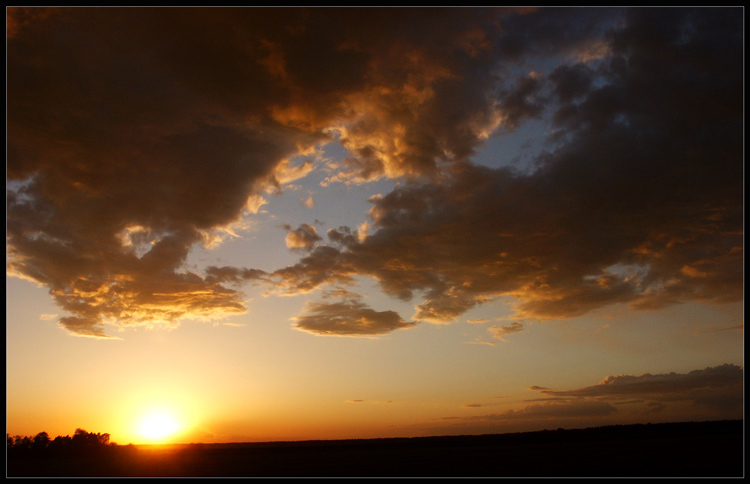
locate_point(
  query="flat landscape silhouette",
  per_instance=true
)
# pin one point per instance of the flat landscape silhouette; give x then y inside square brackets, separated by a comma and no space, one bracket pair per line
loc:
[690,449]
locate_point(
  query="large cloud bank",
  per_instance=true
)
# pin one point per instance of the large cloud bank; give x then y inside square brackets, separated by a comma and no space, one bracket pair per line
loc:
[135,134]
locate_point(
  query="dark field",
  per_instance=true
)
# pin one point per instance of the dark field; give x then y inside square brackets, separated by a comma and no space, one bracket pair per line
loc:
[705,449]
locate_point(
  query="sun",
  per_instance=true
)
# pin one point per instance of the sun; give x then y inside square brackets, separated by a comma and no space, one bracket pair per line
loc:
[157,425]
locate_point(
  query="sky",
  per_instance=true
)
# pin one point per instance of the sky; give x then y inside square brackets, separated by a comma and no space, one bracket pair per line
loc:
[261,224]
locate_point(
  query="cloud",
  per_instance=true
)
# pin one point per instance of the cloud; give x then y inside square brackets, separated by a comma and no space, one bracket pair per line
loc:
[500,332]
[659,384]
[135,135]
[174,122]
[718,388]
[122,119]
[522,102]
[232,275]
[638,200]
[304,237]
[739,327]
[348,318]
[713,393]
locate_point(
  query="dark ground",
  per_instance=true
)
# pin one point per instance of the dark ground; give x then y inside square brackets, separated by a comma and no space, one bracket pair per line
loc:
[704,449]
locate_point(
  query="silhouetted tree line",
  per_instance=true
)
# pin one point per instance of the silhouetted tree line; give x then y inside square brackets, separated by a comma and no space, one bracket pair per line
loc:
[82,443]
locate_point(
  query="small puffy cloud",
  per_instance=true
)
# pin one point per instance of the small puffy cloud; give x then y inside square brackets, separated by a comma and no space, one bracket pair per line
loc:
[286,173]
[233,275]
[309,202]
[304,237]
[500,332]
[348,318]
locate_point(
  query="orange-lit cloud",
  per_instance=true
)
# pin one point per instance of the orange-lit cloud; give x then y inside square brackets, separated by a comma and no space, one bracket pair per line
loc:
[348,318]
[637,202]
[175,121]
[500,332]
[303,237]
[135,135]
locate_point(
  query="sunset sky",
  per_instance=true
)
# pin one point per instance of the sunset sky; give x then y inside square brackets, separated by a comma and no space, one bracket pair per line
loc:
[259,224]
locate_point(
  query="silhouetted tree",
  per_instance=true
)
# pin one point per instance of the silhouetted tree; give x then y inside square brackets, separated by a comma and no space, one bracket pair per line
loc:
[41,442]
[82,443]
[22,442]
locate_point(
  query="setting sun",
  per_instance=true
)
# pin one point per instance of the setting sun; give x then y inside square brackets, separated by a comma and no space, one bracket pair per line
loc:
[158,425]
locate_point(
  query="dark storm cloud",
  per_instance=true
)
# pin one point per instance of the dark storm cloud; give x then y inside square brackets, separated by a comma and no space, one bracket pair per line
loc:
[572,81]
[640,200]
[522,102]
[542,32]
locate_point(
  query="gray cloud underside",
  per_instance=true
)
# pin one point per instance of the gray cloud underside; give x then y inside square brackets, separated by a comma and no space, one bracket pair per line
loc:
[135,134]
[717,391]
[659,385]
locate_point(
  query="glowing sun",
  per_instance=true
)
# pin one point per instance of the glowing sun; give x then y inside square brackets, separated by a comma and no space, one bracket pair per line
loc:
[158,425]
